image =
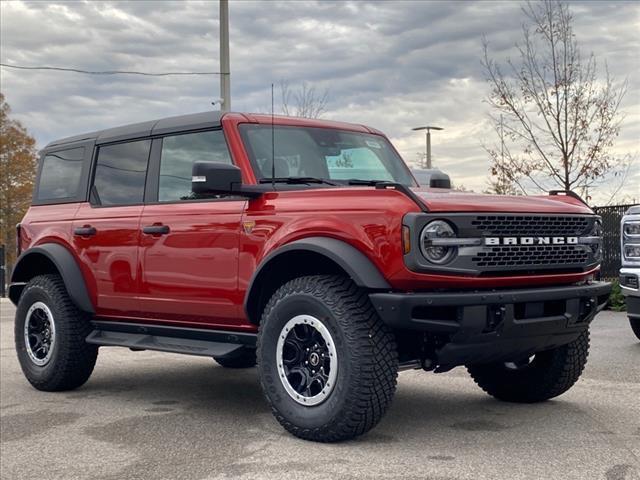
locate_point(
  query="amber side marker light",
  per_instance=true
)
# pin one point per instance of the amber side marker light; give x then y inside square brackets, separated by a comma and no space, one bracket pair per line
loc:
[406,239]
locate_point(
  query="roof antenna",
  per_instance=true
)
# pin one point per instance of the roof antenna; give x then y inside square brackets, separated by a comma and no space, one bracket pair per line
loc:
[273,147]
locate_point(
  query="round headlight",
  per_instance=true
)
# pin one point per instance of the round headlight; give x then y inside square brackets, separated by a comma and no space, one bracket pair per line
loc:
[438,254]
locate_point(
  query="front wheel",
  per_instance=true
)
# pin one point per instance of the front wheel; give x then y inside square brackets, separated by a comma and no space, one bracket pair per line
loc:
[327,363]
[543,376]
[635,326]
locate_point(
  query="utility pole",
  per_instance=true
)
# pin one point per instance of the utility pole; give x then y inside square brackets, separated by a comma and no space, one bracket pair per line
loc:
[428,142]
[225,70]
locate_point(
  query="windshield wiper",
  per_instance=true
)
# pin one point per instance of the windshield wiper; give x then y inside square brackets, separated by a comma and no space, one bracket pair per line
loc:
[297,180]
[373,183]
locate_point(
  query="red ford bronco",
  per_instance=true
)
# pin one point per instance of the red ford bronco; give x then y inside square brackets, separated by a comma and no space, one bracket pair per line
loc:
[305,247]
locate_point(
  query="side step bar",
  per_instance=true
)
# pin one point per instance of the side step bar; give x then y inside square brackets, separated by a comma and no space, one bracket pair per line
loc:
[190,341]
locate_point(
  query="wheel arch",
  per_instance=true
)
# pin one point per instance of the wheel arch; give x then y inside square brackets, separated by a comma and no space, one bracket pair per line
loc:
[309,256]
[51,258]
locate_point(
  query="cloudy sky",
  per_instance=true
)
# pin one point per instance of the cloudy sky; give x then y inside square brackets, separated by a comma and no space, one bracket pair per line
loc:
[391,65]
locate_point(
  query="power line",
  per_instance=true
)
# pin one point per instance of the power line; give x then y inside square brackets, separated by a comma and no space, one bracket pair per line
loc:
[109,72]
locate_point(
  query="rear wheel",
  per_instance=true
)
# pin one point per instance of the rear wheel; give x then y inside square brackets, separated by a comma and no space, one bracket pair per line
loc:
[327,363]
[535,379]
[635,326]
[50,335]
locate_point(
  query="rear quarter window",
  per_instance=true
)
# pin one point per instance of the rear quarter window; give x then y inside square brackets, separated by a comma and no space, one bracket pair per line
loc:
[61,174]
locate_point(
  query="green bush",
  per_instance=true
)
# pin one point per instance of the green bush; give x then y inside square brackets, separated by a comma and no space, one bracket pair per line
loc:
[616,299]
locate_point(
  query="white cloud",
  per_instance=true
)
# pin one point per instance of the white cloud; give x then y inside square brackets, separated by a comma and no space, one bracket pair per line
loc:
[392,65]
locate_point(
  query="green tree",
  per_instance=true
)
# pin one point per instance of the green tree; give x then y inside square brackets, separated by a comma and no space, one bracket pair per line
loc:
[18,161]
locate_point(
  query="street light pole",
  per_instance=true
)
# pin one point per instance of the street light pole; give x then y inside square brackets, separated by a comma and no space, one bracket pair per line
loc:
[225,70]
[428,142]
[428,149]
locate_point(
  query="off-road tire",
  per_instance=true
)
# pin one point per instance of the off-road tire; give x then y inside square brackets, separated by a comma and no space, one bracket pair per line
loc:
[551,373]
[635,326]
[245,359]
[366,351]
[72,359]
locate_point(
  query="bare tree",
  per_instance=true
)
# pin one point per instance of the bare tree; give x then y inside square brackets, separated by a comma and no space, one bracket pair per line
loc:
[305,101]
[501,180]
[556,118]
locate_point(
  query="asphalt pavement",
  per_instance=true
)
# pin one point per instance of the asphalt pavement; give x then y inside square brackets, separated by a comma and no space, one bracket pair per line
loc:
[163,416]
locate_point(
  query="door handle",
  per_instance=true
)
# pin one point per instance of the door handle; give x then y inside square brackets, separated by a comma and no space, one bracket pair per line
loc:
[156,229]
[86,231]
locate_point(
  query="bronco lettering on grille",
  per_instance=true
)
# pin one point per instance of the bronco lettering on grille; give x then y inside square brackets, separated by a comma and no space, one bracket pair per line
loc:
[493,241]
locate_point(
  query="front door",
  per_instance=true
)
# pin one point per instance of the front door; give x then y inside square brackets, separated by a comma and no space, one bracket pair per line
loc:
[189,247]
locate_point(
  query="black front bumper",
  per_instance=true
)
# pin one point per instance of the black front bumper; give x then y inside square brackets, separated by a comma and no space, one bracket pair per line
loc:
[487,326]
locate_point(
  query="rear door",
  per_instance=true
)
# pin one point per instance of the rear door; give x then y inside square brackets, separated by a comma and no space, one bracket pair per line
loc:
[189,247]
[106,231]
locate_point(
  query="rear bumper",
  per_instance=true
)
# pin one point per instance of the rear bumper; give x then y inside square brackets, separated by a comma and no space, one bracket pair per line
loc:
[486,326]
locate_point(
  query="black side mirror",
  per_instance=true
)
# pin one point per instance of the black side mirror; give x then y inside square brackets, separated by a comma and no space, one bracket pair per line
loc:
[219,179]
[439,180]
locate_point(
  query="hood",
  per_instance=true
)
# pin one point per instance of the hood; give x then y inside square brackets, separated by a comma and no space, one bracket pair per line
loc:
[634,210]
[440,200]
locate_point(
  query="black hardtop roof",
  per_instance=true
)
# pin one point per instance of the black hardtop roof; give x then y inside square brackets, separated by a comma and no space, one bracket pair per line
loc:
[193,121]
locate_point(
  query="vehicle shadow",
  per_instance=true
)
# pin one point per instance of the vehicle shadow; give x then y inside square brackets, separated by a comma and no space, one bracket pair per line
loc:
[424,405]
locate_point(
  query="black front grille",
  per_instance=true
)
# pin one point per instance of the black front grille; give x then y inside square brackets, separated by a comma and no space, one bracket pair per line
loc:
[526,225]
[504,244]
[535,256]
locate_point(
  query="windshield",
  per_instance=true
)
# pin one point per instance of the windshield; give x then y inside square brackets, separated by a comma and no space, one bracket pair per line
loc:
[322,153]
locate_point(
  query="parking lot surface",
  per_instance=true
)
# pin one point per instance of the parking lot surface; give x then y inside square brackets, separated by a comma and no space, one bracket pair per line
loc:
[163,416]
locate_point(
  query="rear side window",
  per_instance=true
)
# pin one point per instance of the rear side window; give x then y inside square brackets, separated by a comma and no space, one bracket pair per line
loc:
[60,174]
[179,152]
[121,171]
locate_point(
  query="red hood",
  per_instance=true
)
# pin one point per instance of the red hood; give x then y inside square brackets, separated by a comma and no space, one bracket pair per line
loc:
[440,200]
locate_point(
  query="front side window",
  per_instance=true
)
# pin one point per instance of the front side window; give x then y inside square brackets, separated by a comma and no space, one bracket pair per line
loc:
[121,172]
[323,153]
[179,152]
[60,174]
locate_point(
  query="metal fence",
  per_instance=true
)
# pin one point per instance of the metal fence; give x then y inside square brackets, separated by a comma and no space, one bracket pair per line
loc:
[611,217]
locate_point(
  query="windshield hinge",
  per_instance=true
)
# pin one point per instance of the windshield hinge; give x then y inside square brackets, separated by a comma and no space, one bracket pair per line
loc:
[404,189]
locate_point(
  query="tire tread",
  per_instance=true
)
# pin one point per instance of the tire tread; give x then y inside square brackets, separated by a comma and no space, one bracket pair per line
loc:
[557,373]
[367,337]
[75,358]
[635,326]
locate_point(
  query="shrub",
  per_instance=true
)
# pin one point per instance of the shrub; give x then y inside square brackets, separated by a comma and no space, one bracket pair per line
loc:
[616,299]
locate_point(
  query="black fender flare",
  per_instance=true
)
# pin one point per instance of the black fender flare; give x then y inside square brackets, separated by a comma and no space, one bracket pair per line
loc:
[355,263]
[65,264]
